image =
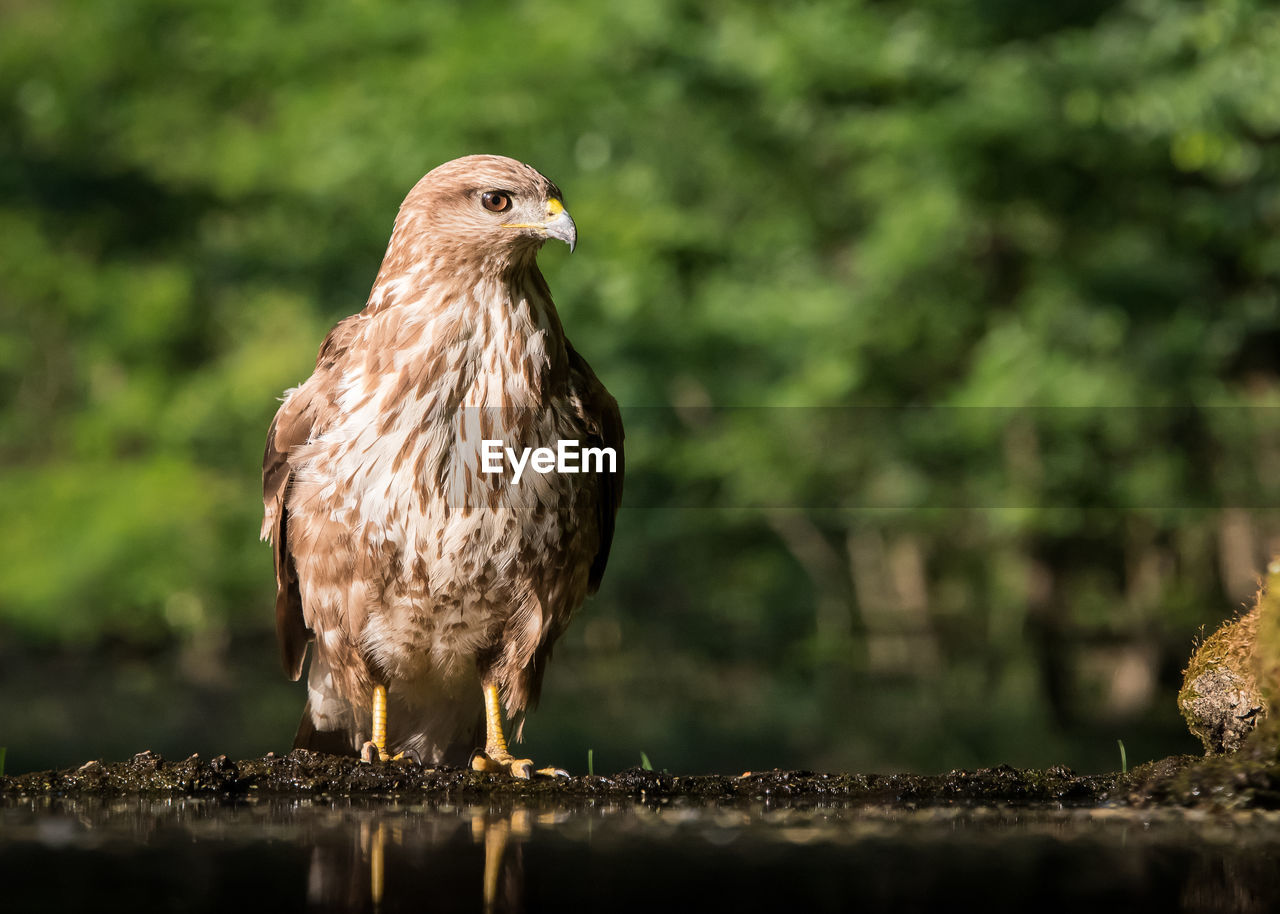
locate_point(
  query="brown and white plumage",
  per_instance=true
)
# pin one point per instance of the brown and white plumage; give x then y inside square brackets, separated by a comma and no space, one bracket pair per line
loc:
[405,565]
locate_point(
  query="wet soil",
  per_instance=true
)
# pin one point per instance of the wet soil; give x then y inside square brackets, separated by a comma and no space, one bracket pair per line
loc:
[1180,781]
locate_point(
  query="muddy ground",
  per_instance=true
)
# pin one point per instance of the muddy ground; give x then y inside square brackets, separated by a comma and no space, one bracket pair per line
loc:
[1235,782]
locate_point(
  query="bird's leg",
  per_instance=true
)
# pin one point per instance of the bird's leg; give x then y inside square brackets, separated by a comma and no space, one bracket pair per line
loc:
[378,744]
[380,720]
[496,756]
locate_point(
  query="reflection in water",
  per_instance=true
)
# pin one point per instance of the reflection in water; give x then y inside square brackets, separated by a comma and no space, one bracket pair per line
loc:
[346,877]
[503,868]
[391,855]
[353,875]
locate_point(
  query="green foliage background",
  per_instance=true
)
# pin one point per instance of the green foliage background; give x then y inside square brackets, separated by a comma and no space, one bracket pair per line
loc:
[948,335]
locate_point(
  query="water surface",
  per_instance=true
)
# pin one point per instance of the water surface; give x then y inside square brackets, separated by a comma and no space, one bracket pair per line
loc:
[108,854]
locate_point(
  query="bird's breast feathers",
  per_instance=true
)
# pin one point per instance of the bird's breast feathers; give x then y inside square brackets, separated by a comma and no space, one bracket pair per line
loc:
[391,497]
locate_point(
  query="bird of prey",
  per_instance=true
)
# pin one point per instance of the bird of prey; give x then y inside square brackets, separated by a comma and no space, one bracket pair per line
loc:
[430,587]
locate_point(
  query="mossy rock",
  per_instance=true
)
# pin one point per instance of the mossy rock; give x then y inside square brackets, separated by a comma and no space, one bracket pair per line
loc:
[1221,697]
[1231,700]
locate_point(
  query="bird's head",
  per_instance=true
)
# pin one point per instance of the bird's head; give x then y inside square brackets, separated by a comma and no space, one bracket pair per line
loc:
[486,205]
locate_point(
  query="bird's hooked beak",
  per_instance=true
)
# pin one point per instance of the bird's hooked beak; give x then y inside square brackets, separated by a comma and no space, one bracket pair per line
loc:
[558,224]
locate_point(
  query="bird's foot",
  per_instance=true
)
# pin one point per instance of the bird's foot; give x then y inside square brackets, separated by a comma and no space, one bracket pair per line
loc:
[370,753]
[503,762]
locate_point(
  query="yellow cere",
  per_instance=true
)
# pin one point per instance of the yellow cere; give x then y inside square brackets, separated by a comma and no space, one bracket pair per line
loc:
[554,208]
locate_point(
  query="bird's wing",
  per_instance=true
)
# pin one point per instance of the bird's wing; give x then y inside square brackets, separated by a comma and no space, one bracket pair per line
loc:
[599,413]
[298,420]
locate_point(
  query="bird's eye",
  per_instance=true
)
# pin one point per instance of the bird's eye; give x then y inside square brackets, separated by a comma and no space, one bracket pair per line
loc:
[495,201]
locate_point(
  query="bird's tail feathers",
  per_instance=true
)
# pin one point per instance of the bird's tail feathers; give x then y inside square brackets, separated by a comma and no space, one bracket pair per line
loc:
[333,742]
